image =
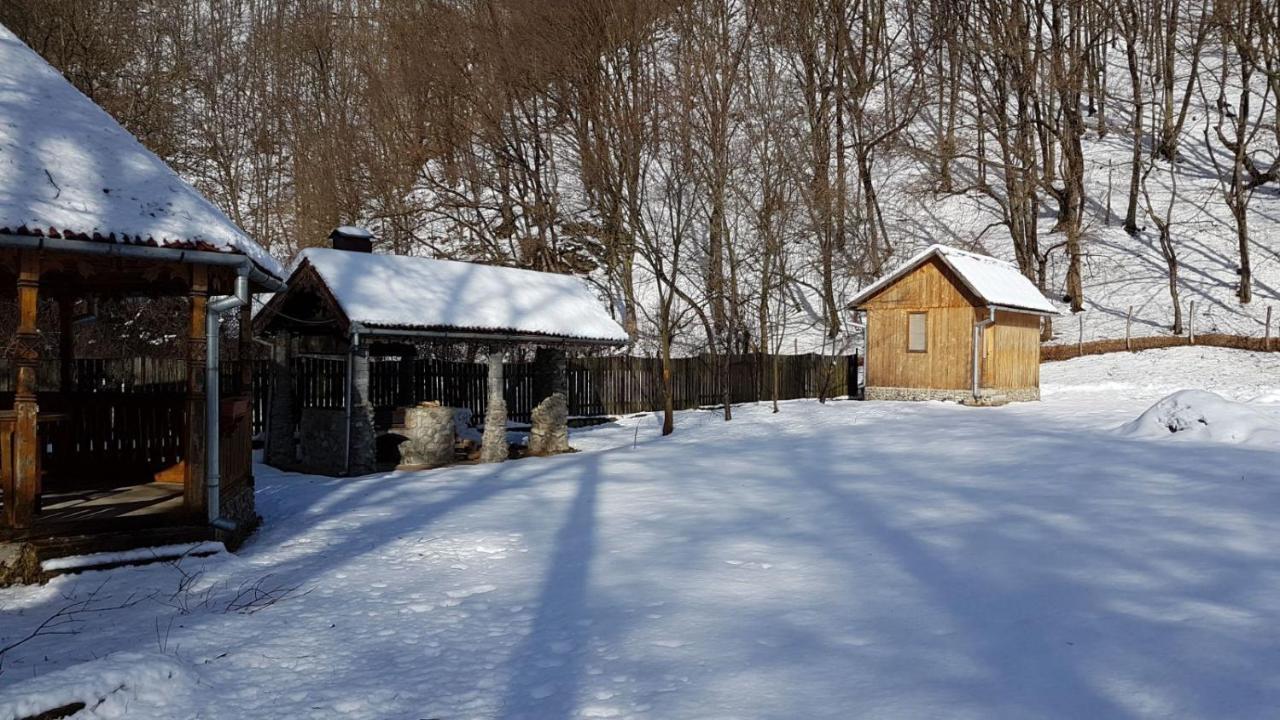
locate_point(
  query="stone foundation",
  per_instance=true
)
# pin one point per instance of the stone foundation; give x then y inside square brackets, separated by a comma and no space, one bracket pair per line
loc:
[322,443]
[988,397]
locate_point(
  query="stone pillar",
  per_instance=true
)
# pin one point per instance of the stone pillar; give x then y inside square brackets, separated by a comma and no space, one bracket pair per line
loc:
[194,442]
[550,432]
[429,433]
[493,446]
[25,488]
[363,449]
[281,445]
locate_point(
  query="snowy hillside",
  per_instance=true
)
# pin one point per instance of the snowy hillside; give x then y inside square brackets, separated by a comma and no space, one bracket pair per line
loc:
[1122,271]
[1028,561]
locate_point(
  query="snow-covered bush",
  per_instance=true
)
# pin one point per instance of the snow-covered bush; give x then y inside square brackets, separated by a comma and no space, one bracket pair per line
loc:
[1205,416]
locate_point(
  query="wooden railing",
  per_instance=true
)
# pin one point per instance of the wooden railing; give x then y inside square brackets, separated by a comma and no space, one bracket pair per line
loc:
[236,441]
[7,470]
[127,437]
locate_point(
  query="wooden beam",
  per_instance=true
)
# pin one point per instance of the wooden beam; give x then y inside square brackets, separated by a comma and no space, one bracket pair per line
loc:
[194,442]
[20,508]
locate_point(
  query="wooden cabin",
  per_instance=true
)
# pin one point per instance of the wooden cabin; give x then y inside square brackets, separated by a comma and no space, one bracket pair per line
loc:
[953,325]
[347,310]
[86,214]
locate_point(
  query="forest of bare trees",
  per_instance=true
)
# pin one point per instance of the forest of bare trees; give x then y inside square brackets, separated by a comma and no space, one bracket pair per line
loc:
[727,171]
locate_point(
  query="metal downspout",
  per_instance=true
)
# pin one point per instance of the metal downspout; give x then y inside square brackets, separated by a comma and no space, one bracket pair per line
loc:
[978,328]
[213,397]
[352,347]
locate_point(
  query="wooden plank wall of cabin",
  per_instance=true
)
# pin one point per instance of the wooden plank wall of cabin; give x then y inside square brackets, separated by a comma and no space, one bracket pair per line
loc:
[1012,352]
[946,364]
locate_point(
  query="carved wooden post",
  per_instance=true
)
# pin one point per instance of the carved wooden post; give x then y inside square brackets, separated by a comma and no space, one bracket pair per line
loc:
[194,443]
[246,385]
[26,357]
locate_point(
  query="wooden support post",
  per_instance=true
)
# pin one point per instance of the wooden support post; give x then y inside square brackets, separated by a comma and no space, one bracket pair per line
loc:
[20,503]
[1266,339]
[1080,337]
[1128,323]
[1191,321]
[195,445]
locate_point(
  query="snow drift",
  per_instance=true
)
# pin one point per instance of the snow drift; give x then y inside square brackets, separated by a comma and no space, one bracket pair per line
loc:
[1205,416]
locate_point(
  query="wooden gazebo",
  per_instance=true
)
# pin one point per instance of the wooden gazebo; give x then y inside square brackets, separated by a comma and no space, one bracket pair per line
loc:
[86,212]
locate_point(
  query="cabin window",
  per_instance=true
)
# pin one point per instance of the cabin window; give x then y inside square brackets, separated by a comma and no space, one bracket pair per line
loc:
[917,332]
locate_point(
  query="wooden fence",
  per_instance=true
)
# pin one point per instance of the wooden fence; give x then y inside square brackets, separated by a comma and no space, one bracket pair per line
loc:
[596,386]
[1050,353]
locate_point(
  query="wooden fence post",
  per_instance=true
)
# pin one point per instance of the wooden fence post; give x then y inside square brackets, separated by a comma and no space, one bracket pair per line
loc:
[1266,339]
[1079,337]
[1128,322]
[1191,321]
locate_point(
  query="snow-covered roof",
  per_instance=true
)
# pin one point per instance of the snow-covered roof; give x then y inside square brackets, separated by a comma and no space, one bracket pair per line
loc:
[993,281]
[405,292]
[354,231]
[68,169]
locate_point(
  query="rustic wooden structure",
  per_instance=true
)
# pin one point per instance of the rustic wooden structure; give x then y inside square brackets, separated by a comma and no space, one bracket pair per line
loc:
[952,325]
[350,313]
[86,212]
[65,454]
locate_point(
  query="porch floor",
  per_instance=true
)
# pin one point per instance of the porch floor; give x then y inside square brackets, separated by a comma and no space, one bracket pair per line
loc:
[126,507]
[103,504]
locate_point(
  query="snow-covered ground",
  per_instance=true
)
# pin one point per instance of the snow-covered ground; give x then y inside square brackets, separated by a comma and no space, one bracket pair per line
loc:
[830,561]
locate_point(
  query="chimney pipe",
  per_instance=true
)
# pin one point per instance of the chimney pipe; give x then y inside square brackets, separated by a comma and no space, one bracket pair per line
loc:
[352,239]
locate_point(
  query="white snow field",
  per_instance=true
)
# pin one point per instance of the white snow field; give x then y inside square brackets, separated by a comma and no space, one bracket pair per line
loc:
[847,560]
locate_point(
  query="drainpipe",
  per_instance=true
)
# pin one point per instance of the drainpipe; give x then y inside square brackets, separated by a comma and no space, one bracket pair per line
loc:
[978,328]
[352,348]
[213,396]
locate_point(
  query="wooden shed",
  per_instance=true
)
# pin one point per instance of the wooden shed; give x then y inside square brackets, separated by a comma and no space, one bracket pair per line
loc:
[953,325]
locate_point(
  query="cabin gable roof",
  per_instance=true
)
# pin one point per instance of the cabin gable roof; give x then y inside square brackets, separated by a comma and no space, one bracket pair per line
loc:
[989,281]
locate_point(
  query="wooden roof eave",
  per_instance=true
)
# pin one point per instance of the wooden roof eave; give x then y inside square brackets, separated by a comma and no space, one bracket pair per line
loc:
[261,279]
[505,337]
